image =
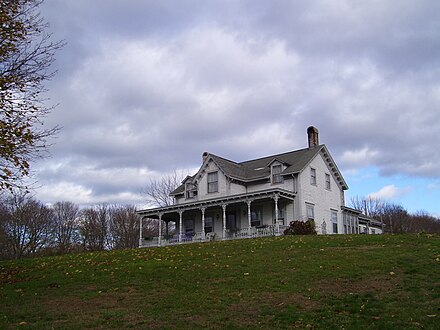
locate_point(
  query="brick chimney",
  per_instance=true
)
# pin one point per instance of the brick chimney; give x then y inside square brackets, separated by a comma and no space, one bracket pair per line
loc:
[205,155]
[312,134]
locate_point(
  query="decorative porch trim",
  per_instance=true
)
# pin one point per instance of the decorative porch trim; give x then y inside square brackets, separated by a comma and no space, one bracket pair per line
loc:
[240,198]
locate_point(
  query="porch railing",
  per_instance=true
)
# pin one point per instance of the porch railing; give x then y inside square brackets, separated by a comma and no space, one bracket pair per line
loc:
[253,232]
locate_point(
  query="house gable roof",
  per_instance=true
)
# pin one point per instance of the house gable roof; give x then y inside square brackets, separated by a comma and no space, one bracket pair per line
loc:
[259,169]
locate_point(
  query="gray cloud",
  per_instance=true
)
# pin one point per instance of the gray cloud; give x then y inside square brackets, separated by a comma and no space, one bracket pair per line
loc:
[145,87]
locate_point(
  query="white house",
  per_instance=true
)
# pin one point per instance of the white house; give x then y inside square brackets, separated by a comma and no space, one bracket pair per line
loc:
[260,197]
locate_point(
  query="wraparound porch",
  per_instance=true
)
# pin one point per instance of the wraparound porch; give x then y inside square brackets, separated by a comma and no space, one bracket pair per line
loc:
[259,214]
[253,232]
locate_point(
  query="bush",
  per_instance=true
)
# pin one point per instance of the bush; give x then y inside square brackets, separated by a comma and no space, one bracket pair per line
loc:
[301,228]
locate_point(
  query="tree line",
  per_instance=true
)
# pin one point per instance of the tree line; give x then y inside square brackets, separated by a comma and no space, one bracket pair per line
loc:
[30,228]
[396,218]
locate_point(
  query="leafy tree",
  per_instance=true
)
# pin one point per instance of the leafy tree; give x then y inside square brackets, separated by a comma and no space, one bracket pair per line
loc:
[26,54]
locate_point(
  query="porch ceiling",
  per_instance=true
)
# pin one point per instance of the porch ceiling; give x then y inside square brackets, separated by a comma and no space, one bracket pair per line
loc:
[269,193]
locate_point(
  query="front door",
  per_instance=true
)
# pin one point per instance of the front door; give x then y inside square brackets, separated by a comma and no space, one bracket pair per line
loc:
[231,222]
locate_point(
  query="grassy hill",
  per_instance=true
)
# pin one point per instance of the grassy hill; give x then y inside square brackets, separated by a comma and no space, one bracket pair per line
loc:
[322,282]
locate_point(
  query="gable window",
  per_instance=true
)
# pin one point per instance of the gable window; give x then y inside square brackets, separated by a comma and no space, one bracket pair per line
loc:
[212,182]
[327,181]
[313,176]
[276,174]
[310,212]
[334,219]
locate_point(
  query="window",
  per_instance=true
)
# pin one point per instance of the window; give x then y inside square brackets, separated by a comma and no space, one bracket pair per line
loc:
[276,174]
[189,226]
[327,181]
[209,223]
[212,182]
[256,217]
[334,219]
[313,176]
[280,213]
[191,190]
[310,212]
[345,223]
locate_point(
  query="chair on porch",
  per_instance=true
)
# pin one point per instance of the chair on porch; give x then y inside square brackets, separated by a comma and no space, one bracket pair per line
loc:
[210,236]
[198,237]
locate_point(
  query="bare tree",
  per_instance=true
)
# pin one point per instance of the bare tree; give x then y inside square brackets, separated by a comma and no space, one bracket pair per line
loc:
[66,216]
[94,228]
[124,227]
[26,53]
[396,218]
[158,191]
[373,207]
[27,225]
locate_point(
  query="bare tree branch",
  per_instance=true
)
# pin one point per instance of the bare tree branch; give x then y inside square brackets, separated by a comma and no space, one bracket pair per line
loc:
[158,191]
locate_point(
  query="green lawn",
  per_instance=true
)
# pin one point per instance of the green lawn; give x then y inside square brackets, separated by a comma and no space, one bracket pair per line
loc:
[317,282]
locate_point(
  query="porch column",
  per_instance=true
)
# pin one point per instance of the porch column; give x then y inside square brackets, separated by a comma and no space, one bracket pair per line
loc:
[159,239]
[275,198]
[202,209]
[224,220]
[249,216]
[140,231]
[180,225]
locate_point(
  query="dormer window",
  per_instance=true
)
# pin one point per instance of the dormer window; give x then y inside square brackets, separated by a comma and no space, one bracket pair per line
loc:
[212,182]
[276,174]
[191,190]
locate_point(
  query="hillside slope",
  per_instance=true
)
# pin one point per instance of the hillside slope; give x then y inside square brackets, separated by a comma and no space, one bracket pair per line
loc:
[322,282]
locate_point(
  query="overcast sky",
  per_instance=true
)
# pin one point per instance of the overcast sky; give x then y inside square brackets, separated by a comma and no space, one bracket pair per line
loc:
[145,87]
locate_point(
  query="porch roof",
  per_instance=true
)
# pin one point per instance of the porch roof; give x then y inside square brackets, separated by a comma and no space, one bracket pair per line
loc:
[269,193]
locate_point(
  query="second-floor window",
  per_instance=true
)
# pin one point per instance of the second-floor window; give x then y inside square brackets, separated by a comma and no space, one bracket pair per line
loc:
[191,190]
[327,181]
[313,176]
[276,174]
[212,182]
